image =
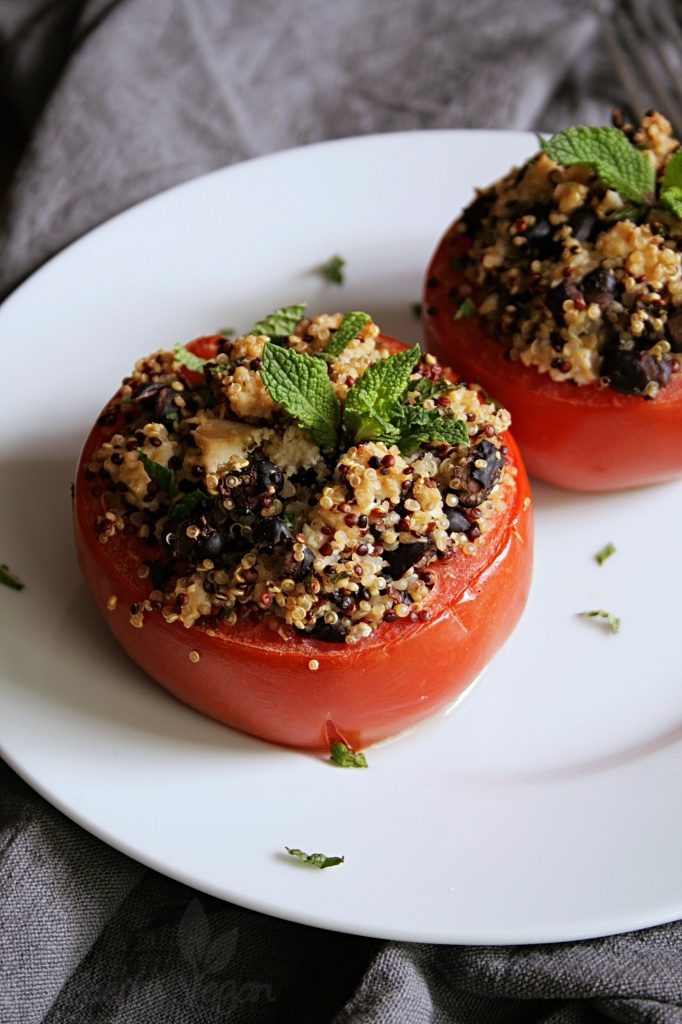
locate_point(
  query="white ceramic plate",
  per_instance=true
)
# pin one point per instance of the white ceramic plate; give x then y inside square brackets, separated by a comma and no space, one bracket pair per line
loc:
[546,807]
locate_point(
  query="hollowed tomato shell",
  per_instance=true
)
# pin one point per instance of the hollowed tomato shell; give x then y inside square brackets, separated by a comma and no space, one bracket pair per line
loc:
[250,678]
[586,438]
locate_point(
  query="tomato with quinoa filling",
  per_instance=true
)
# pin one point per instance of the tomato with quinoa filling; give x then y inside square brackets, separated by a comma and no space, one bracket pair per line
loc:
[563,298]
[283,572]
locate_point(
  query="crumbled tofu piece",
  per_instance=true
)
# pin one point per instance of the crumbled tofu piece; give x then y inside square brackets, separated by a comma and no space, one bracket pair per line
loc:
[293,450]
[219,440]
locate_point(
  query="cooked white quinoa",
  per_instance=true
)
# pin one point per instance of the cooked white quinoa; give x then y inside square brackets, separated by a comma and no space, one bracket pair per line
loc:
[323,547]
[565,286]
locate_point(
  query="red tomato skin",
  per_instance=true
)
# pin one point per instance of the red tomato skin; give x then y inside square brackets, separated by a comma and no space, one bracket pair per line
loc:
[587,438]
[250,678]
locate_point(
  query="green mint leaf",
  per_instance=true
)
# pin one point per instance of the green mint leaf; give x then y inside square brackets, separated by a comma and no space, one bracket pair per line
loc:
[466,308]
[608,153]
[226,332]
[416,308]
[348,329]
[671,186]
[673,172]
[318,860]
[185,506]
[345,758]
[374,401]
[183,355]
[10,579]
[289,518]
[422,426]
[160,475]
[427,388]
[281,323]
[609,620]
[605,553]
[333,269]
[301,385]
[672,200]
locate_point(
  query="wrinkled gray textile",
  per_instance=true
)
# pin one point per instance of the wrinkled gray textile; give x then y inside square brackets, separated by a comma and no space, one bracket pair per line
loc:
[121,99]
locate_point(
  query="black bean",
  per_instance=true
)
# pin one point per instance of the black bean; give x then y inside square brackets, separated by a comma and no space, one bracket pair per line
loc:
[213,544]
[327,633]
[147,391]
[584,224]
[488,474]
[599,286]
[539,233]
[629,371]
[272,533]
[404,557]
[267,474]
[457,521]
[560,293]
[473,483]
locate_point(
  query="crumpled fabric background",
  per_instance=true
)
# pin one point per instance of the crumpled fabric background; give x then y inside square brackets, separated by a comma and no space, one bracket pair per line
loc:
[107,102]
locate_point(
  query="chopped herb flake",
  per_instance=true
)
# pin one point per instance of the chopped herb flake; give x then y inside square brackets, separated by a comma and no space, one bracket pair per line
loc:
[609,620]
[186,506]
[333,269]
[605,553]
[416,308]
[318,860]
[9,579]
[186,358]
[466,309]
[606,151]
[160,475]
[342,756]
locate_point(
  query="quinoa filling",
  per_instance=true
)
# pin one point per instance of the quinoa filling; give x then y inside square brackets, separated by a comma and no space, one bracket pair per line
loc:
[245,517]
[570,278]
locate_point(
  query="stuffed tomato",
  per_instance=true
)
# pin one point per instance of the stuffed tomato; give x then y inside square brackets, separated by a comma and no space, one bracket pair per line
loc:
[305,528]
[563,298]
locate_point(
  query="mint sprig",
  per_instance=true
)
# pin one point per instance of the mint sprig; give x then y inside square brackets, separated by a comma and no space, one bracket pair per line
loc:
[375,407]
[10,579]
[317,860]
[302,386]
[374,402]
[671,186]
[606,151]
[186,358]
[347,331]
[158,474]
[343,757]
[281,323]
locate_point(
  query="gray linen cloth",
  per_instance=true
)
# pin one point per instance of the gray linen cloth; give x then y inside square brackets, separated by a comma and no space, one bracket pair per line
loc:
[119,100]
